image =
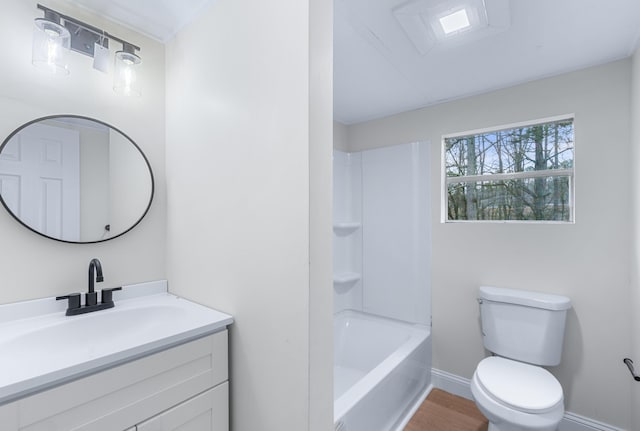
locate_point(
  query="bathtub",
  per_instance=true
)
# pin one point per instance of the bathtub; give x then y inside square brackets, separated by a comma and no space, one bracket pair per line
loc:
[381,369]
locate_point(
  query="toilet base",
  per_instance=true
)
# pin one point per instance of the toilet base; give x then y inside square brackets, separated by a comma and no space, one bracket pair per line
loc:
[504,427]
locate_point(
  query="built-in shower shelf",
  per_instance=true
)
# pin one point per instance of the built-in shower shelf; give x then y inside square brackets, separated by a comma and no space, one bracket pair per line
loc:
[346,278]
[346,228]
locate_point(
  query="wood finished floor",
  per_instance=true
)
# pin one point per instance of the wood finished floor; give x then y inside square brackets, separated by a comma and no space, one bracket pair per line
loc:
[442,411]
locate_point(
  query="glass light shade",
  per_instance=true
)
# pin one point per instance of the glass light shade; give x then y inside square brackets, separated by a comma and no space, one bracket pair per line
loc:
[125,80]
[51,43]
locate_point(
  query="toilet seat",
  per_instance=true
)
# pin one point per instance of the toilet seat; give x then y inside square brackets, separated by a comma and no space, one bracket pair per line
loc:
[504,418]
[523,387]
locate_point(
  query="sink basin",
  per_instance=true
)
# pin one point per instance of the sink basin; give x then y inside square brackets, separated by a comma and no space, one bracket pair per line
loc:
[47,349]
[92,336]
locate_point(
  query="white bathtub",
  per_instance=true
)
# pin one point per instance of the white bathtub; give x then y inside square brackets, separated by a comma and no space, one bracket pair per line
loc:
[381,367]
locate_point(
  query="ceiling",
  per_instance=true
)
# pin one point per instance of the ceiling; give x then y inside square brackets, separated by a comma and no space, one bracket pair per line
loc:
[382,68]
[158,19]
[378,70]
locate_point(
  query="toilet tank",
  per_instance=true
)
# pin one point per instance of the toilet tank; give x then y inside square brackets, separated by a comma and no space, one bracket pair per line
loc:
[523,325]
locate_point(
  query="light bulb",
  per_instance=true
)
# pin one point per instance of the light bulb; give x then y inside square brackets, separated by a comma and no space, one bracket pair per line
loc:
[52,54]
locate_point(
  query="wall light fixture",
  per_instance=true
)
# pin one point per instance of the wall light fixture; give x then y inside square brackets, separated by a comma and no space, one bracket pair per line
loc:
[125,80]
[51,42]
[56,34]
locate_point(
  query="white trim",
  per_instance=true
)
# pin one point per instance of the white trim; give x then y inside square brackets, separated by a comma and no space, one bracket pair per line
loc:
[501,127]
[574,422]
[511,176]
[460,386]
[414,408]
[444,198]
[510,222]
[451,383]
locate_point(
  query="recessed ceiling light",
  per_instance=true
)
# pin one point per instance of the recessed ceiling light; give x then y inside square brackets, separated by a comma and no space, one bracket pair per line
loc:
[455,21]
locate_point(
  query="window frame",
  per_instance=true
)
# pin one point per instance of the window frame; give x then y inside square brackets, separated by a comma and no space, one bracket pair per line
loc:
[570,173]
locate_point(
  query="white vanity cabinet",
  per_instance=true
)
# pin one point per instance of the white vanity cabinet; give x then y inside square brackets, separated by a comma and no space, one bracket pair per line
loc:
[183,388]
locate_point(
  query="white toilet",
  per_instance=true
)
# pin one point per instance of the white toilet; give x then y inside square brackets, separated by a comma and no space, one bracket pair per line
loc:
[524,330]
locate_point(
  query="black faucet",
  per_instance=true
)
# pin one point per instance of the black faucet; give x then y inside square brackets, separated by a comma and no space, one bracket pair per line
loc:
[91,297]
[95,264]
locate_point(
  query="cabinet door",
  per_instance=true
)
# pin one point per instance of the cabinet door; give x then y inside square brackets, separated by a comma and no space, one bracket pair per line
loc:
[9,416]
[208,411]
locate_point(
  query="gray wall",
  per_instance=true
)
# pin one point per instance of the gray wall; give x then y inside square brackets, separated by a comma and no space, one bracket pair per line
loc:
[587,261]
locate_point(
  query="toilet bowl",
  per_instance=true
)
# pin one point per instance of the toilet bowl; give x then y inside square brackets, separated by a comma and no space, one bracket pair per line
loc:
[525,331]
[517,397]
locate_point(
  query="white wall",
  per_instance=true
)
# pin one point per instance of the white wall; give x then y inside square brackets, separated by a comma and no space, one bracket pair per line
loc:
[386,192]
[587,261]
[347,243]
[249,186]
[634,167]
[320,217]
[396,232]
[32,266]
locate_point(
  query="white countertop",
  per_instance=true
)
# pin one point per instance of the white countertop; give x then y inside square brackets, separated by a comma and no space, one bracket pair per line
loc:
[40,347]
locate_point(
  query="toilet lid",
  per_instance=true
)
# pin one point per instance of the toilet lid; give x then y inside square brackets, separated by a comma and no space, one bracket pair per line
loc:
[521,386]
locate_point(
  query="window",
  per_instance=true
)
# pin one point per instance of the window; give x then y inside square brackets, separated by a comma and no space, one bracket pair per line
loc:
[522,173]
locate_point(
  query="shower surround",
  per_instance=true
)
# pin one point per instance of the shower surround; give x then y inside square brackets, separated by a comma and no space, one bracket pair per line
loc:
[381,285]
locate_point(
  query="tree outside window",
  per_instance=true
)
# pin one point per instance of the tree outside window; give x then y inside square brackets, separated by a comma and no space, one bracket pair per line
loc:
[515,174]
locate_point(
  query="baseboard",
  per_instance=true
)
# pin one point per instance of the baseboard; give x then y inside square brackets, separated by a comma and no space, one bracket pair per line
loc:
[460,386]
[574,422]
[451,383]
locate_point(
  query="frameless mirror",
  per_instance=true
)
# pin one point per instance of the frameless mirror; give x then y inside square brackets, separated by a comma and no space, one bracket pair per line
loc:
[74,179]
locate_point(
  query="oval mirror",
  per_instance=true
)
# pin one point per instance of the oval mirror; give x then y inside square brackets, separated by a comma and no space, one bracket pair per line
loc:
[74,179]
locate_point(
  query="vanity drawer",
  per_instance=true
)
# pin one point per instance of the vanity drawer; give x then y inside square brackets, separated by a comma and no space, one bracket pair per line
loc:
[207,411]
[126,395]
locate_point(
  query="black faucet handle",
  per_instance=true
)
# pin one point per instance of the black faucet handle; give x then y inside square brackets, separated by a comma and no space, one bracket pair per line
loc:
[74,300]
[107,294]
[90,298]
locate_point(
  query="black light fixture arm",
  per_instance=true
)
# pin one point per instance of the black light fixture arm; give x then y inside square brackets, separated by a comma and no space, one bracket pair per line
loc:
[100,34]
[50,14]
